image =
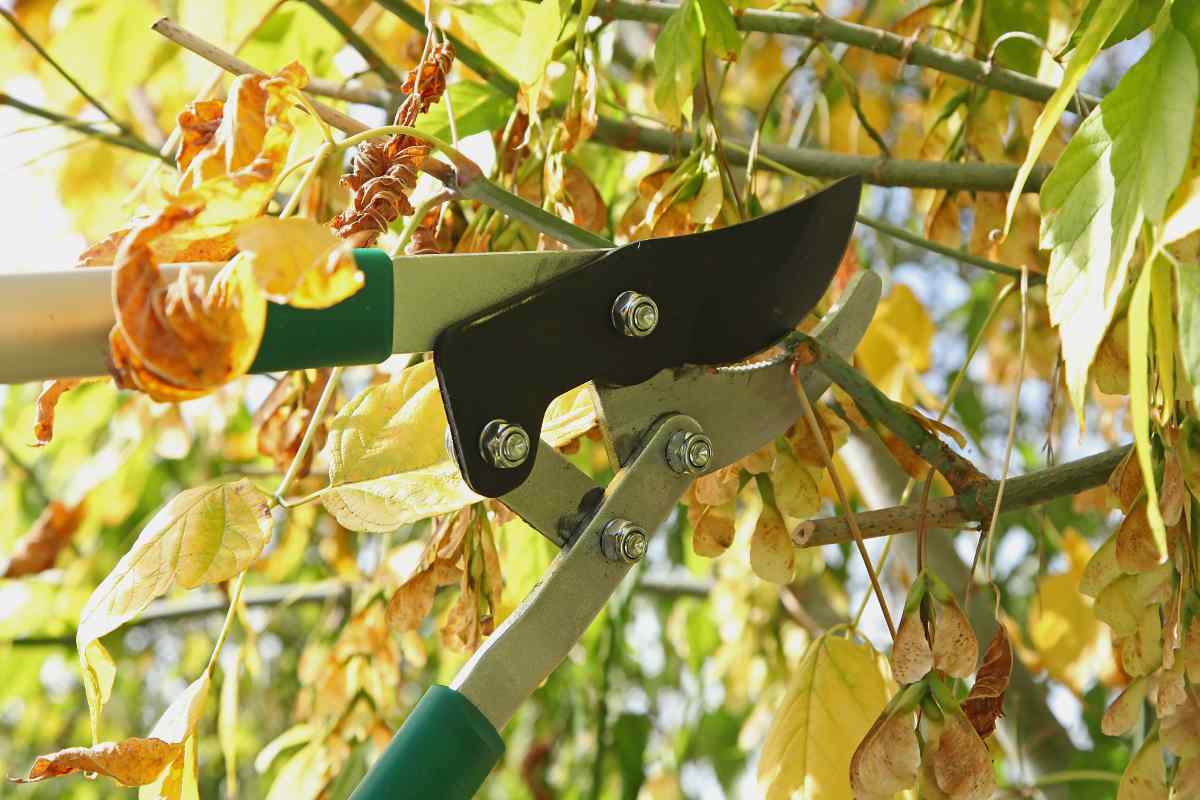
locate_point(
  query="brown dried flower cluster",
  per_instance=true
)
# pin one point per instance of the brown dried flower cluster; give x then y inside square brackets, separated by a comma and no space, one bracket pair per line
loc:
[384,172]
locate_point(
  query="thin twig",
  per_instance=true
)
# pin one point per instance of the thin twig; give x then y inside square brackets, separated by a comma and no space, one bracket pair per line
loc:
[822,26]
[49,59]
[948,513]
[819,438]
[117,140]
[949,252]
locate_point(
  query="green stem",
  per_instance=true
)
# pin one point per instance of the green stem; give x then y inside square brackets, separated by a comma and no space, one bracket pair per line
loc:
[949,252]
[314,166]
[49,59]
[518,208]
[1075,776]
[129,143]
[364,49]
[902,48]
[234,596]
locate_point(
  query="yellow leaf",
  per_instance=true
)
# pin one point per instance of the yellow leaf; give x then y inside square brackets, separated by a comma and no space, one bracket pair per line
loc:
[1145,776]
[203,535]
[896,347]
[772,556]
[299,261]
[836,692]
[388,462]
[1071,644]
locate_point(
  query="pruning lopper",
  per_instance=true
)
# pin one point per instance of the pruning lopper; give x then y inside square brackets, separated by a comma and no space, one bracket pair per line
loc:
[647,325]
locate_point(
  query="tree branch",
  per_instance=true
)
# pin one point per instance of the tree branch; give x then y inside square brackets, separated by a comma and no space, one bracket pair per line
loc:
[373,59]
[947,513]
[117,140]
[958,255]
[206,603]
[904,49]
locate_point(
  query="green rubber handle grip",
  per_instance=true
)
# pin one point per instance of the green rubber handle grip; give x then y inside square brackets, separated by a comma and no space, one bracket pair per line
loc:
[444,750]
[357,330]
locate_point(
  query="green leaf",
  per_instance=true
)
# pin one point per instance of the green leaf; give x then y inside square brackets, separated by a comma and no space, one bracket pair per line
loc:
[1139,17]
[477,107]
[1185,16]
[518,36]
[1103,22]
[1187,287]
[1139,396]
[677,60]
[1005,16]
[1117,172]
[630,734]
[720,28]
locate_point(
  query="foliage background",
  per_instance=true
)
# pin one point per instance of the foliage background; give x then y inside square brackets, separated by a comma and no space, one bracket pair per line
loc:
[673,688]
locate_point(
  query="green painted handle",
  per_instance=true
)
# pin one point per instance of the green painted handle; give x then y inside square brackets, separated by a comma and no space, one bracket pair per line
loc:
[357,330]
[444,750]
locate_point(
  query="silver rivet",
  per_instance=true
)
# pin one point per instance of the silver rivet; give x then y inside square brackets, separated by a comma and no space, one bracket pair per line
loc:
[635,314]
[622,540]
[689,453]
[504,445]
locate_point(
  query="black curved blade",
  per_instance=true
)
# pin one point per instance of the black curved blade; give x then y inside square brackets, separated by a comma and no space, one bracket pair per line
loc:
[722,295]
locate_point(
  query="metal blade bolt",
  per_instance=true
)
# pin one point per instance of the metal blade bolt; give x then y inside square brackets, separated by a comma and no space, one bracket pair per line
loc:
[689,453]
[504,445]
[622,540]
[635,314]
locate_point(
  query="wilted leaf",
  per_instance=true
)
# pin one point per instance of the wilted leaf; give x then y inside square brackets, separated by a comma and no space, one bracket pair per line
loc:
[887,759]
[1145,776]
[1118,170]
[299,261]
[985,704]
[772,556]
[37,550]
[180,340]
[1125,712]
[955,648]
[912,657]
[960,762]
[836,692]
[132,762]
[202,535]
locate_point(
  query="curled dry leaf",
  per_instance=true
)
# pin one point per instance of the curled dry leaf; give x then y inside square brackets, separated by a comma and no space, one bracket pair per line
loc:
[955,648]
[960,762]
[175,341]
[771,554]
[1120,717]
[1136,550]
[912,657]
[985,703]
[37,550]
[438,567]
[384,171]
[887,759]
[132,762]
[47,402]
[299,261]
[284,416]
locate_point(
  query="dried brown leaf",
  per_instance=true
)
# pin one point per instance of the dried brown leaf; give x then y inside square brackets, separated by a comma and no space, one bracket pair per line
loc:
[37,550]
[985,704]
[887,759]
[955,648]
[912,657]
[47,402]
[131,762]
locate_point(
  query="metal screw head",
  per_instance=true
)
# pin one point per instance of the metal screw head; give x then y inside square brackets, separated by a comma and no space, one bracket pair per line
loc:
[622,540]
[504,445]
[635,314]
[689,453]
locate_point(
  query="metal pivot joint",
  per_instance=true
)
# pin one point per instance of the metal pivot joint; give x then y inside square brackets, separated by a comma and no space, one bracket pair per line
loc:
[689,453]
[504,445]
[622,540]
[635,314]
